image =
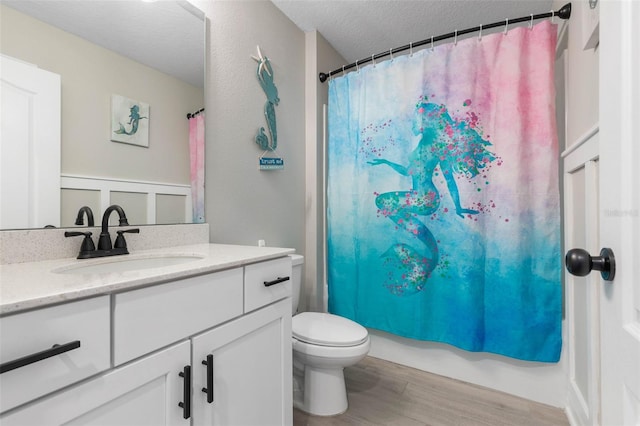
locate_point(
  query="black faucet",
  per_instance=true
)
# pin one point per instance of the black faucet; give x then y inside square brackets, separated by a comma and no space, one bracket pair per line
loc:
[88,250]
[104,242]
[86,210]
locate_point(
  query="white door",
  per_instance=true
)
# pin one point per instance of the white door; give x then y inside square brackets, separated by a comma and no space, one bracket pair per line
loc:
[29,146]
[247,379]
[580,168]
[620,209]
[144,392]
[581,205]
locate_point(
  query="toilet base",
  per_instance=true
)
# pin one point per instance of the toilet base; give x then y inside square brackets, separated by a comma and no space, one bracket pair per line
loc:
[328,391]
[323,391]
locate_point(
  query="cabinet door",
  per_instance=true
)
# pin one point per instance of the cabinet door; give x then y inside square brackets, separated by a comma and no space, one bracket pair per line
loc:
[251,370]
[145,392]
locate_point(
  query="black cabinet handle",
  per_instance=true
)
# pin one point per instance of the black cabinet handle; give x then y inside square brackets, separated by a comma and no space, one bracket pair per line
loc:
[209,389]
[277,281]
[186,392]
[39,356]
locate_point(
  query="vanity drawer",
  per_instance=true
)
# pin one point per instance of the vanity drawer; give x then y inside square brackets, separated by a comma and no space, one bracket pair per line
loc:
[153,317]
[273,273]
[33,332]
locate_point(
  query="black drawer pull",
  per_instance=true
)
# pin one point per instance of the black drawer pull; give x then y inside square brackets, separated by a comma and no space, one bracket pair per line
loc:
[277,281]
[186,392]
[39,356]
[209,389]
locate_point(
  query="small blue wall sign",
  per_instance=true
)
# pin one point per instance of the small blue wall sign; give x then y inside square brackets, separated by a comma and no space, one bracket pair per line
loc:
[271,163]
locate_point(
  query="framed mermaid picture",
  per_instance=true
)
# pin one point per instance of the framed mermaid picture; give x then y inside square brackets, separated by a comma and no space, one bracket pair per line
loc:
[129,121]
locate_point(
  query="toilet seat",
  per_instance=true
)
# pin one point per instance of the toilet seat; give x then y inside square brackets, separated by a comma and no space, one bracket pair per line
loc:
[323,329]
[339,354]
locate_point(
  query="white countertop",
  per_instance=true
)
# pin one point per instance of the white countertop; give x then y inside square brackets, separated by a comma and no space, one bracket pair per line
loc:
[34,284]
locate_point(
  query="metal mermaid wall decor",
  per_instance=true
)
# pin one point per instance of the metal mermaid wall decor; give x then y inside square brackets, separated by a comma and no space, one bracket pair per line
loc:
[265,77]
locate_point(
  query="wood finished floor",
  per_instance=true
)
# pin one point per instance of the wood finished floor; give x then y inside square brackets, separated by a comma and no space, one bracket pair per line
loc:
[384,393]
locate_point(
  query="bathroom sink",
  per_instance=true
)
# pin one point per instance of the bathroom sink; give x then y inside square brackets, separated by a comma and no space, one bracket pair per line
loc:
[126,263]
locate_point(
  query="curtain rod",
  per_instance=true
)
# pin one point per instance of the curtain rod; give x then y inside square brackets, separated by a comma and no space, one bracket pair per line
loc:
[193,114]
[563,13]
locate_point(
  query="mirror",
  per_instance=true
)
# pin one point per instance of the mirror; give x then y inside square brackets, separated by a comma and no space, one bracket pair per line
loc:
[149,52]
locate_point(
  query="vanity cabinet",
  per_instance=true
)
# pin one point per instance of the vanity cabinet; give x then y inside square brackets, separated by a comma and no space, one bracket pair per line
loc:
[144,392]
[242,370]
[190,351]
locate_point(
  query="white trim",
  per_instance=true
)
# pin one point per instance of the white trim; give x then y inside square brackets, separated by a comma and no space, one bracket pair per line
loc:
[151,189]
[576,400]
[586,150]
[126,181]
[571,417]
[583,155]
[581,140]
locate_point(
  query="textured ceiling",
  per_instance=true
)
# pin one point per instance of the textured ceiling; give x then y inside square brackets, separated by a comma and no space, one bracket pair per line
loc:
[358,29]
[165,35]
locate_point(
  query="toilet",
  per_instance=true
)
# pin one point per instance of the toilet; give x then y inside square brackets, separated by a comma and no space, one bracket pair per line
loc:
[323,344]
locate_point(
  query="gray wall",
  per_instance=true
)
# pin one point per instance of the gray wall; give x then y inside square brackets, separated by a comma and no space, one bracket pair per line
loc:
[244,204]
[320,57]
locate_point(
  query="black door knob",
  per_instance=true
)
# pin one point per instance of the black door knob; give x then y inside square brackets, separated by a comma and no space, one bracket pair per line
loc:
[580,263]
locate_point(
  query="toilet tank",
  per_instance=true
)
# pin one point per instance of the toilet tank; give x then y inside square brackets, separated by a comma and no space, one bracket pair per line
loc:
[296,284]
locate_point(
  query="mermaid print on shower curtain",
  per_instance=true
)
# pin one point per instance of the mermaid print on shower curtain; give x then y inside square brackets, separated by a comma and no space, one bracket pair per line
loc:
[443,206]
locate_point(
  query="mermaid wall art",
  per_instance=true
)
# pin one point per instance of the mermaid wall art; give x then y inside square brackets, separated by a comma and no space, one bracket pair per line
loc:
[129,121]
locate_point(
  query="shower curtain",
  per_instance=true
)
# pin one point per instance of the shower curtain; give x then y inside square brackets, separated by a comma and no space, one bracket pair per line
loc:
[443,205]
[196,155]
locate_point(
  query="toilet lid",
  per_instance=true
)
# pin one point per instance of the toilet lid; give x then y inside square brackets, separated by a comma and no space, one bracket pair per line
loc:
[327,330]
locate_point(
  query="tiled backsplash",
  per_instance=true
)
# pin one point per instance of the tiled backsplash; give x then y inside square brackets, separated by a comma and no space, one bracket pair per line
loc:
[31,245]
